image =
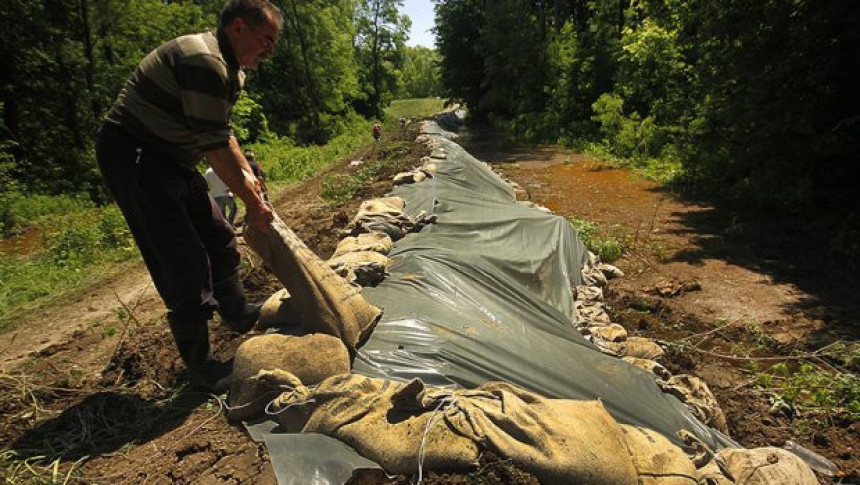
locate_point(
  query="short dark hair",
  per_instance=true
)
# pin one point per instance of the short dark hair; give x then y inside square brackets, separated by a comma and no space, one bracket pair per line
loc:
[251,11]
[249,154]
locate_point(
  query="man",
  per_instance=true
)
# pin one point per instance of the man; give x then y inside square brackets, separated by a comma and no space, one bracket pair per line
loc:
[175,109]
[221,195]
[257,170]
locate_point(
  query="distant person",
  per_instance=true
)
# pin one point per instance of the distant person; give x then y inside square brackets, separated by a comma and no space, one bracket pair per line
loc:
[221,195]
[257,170]
[402,122]
[377,131]
[173,111]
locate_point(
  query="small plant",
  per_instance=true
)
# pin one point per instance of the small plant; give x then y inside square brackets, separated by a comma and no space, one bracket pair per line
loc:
[337,188]
[608,248]
[810,390]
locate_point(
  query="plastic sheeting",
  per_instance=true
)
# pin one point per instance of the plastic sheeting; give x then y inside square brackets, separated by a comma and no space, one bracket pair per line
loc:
[485,294]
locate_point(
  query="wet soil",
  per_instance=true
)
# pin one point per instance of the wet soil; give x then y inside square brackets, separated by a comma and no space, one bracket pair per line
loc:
[96,382]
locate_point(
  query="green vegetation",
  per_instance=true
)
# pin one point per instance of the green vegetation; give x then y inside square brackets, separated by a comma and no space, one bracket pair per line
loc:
[745,101]
[338,188]
[609,246]
[808,391]
[78,246]
[414,109]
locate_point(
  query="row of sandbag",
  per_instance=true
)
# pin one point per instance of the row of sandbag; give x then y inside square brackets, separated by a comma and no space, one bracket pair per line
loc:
[593,322]
[304,382]
[270,371]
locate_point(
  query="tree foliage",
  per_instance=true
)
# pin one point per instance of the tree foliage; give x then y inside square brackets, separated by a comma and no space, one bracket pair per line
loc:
[754,98]
[420,73]
[66,60]
[380,40]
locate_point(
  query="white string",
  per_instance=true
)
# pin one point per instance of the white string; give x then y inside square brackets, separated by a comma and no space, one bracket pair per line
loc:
[450,400]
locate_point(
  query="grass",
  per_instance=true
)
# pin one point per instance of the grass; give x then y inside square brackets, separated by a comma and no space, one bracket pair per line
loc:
[79,248]
[415,108]
[338,188]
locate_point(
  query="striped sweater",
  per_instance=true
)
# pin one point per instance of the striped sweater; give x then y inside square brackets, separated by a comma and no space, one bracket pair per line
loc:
[180,96]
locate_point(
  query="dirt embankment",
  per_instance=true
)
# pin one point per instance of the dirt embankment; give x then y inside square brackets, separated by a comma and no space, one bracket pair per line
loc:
[96,383]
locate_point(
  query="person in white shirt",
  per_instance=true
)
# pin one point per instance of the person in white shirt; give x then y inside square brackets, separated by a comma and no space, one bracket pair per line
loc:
[222,195]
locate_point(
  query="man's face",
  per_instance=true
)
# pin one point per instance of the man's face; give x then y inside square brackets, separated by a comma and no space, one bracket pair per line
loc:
[254,43]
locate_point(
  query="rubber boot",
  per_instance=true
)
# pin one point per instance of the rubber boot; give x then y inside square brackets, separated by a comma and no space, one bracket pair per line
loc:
[192,340]
[236,313]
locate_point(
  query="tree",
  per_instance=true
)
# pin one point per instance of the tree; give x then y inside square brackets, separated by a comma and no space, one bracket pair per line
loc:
[420,73]
[380,41]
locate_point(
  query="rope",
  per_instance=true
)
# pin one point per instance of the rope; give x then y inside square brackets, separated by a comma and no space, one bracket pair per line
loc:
[438,413]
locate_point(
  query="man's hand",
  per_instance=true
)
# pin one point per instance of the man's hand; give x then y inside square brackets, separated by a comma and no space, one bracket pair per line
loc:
[231,166]
[259,216]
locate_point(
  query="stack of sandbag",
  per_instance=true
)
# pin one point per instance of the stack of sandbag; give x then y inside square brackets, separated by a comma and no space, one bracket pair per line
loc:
[323,301]
[386,215]
[407,428]
[593,321]
[362,259]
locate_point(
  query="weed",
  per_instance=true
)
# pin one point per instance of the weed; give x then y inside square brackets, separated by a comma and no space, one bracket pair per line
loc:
[338,188]
[610,247]
[811,390]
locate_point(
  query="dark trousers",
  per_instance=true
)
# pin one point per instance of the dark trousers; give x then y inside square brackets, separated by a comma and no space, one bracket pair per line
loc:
[184,239]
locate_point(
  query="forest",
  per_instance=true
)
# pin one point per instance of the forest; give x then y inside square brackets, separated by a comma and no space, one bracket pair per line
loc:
[751,101]
[754,102]
[337,63]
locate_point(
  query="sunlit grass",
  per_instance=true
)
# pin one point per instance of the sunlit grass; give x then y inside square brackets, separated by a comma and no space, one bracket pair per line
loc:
[413,109]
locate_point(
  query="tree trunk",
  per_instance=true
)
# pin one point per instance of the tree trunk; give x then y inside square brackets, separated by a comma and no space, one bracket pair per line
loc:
[89,68]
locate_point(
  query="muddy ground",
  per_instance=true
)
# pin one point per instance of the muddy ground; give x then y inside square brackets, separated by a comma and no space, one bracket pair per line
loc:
[95,384]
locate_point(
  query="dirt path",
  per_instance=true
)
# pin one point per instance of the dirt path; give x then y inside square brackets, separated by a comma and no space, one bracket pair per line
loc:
[87,380]
[99,310]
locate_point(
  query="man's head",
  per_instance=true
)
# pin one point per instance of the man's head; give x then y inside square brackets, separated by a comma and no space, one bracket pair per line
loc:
[253,27]
[249,154]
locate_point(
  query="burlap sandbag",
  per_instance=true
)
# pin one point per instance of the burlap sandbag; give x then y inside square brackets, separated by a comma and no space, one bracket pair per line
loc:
[362,268]
[249,397]
[650,366]
[765,466]
[382,420]
[560,441]
[371,241]
[696,395]
[657,460]
[325,302]
[311,358]
[278,312]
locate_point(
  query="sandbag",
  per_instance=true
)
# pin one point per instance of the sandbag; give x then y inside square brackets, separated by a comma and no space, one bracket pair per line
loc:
[278,312]
[642,348]
[249,397]
[364,268]
[384,421]
[765,466]
[325,302]
[696,395]
[396,424]
[371,241]
[310,358]
[610,333]
[656,459]
[649,366]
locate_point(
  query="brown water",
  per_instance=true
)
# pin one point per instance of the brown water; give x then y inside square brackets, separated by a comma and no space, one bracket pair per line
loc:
[571,184]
